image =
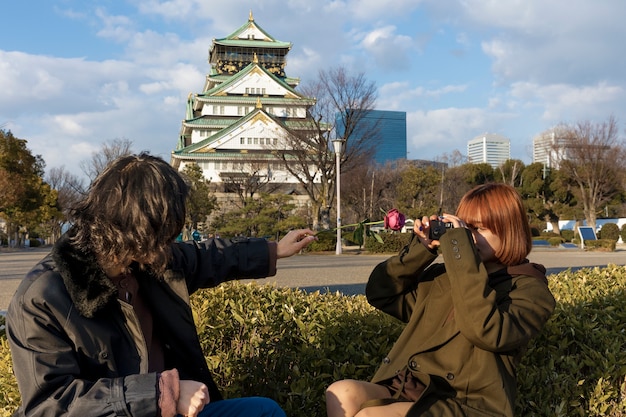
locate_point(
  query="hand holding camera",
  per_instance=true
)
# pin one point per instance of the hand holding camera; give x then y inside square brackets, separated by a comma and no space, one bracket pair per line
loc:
[431,229]
[438,228]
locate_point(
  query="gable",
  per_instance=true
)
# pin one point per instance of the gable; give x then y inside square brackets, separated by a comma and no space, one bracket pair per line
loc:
[260,82]
[252,32]
[256,132]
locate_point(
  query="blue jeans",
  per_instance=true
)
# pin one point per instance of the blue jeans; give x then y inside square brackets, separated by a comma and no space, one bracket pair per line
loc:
[243,407]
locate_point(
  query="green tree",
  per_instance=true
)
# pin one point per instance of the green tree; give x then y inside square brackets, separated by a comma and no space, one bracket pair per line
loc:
[266,215]
[200,202]
[26,200]
[419,191]
[546,195]
[477,174]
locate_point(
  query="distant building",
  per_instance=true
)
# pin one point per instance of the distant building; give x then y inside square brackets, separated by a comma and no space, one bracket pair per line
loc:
[550,148]
[489,148]
[236,128]
[389,131]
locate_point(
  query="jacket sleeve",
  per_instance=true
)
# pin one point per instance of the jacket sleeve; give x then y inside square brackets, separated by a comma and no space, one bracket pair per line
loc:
[209,263]
[393,285]
[48,370]
[499,317]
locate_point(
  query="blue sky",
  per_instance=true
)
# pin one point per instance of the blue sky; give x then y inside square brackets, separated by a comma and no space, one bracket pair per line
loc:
[74,74]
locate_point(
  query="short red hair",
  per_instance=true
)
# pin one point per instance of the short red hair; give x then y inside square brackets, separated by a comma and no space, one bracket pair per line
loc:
[499,208]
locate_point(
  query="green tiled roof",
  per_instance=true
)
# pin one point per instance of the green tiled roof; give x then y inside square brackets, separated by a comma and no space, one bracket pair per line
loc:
[233,38]
[252,43]
[251,100]
[244,72]
[269,155]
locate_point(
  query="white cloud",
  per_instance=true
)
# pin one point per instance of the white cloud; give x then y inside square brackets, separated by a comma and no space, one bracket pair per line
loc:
[398,95]
[389,49]
[568,103]
[439,131]
[118,28]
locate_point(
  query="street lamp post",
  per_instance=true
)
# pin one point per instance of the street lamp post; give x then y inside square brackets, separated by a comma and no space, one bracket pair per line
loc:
[338,145]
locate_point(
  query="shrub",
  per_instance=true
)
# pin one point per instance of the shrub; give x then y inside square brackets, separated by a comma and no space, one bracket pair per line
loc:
[555,241]
[604,245]
[34,243]
[609,231]
[326,241]
[622,233]
[392,242]
[287,344]
[290,345]
[576,367]
[568,235]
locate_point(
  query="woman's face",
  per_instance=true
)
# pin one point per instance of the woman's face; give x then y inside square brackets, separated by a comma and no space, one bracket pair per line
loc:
[487,243]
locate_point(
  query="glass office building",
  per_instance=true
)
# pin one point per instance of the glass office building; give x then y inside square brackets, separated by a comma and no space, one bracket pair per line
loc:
[388,129]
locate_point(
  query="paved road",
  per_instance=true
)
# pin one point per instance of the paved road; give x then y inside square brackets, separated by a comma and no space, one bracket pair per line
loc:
[345,273]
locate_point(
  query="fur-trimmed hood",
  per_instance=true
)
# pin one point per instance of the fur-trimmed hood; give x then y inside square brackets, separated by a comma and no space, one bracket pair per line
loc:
[87,284]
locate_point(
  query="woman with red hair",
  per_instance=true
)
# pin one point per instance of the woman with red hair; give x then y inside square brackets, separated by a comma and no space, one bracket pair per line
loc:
[469,319]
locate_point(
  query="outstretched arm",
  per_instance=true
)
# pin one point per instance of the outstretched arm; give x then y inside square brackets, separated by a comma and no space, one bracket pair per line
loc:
[294,242]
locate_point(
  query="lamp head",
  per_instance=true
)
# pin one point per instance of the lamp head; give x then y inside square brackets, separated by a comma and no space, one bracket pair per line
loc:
[338,145]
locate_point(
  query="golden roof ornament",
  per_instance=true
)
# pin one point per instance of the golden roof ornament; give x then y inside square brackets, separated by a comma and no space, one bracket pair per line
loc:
[255,58]
[258,103]
[250,18]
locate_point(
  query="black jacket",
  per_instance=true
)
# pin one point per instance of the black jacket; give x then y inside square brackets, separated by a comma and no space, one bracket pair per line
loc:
[72,341]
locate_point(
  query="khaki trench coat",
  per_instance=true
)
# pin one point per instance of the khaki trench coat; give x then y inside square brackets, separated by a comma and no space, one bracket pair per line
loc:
[466,330]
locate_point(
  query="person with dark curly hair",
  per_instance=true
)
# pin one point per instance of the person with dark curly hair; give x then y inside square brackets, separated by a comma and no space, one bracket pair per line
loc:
[102,326]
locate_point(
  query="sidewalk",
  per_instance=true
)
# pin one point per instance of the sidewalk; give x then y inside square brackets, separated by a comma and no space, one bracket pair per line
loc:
[323,271]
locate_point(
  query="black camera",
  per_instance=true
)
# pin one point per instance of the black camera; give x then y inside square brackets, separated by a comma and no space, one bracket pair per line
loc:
[438,228]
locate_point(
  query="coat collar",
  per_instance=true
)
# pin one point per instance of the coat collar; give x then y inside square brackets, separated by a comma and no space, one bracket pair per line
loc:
[87,284]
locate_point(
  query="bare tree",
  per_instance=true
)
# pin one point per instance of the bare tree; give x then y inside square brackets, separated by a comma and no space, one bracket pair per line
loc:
[452,159]
[510,172]
[69,190]
[369,191]
[68,186]
[110,151]
[343,103]
[250,180]
[593,159]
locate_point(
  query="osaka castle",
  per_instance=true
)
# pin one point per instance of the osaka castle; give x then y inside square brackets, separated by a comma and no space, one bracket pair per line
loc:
[237,128]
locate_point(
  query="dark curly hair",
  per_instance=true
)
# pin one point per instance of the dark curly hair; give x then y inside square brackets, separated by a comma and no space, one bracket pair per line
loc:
[133,212]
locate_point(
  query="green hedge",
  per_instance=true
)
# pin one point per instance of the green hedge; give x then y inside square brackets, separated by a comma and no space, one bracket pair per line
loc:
[392,242]
[290,345]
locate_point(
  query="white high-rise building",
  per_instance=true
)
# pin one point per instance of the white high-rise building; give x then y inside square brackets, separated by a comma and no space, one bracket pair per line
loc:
[489,148]
[549,148]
